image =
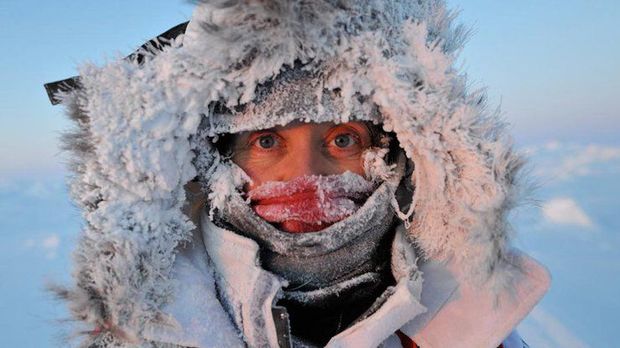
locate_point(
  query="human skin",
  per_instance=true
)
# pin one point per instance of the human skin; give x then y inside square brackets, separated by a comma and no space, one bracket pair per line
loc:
[300,149]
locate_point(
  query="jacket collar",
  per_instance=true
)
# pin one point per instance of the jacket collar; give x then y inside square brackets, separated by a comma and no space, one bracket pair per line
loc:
[248,290]
[195,317]
[475,316]
[431,302]
[235,258]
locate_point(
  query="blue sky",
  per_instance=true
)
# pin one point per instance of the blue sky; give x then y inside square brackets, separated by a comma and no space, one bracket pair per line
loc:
[553,65]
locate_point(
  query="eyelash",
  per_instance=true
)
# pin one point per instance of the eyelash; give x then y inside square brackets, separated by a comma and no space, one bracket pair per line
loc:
[253,142]
[332,139]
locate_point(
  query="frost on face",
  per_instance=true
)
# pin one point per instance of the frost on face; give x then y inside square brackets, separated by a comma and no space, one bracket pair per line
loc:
[312,202]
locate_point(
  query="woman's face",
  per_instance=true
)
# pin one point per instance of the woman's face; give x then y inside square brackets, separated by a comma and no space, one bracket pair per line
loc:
[298,149]
[306,151]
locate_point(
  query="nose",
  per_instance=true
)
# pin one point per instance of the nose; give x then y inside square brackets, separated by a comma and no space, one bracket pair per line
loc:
[306,160]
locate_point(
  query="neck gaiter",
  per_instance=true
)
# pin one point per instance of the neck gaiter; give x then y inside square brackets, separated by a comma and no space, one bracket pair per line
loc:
[310,261]
[336,273]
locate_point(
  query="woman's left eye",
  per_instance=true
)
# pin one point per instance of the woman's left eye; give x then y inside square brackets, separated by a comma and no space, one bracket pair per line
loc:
[344,140]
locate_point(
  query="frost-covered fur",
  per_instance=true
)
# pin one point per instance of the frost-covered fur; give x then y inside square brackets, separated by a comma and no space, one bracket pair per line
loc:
[137,127]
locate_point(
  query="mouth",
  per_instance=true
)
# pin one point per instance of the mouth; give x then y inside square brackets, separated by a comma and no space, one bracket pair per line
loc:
[305,211]
[306,204]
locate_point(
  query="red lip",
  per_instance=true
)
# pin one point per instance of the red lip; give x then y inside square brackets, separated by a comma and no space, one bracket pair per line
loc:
[293,198]
[309,210]
[311,185]
[304,212]
[307,204]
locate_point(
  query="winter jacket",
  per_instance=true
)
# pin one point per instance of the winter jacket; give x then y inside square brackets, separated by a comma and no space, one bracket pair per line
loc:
[441,313]
[145,127]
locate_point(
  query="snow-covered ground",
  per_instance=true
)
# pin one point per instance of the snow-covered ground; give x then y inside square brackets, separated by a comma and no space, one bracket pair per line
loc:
[573,230]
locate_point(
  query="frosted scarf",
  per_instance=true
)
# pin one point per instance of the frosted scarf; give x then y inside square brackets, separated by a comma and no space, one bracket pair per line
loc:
[314,260]
[334,274]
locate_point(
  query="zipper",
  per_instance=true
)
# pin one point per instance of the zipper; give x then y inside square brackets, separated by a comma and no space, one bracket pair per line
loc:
[283,327]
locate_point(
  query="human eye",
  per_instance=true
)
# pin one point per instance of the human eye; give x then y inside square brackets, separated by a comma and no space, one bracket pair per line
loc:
[264,141]
[345,140]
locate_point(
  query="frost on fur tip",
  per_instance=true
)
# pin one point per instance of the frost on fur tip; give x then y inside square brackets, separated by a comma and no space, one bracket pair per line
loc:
[374,164]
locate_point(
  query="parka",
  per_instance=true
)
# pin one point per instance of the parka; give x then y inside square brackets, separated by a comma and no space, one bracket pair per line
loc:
[150,263]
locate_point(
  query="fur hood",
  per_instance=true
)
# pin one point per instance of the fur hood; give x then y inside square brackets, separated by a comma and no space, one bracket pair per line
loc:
[141,122]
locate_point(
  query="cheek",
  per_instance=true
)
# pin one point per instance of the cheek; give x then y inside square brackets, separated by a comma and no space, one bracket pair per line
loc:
[258,178]
[355,165]
[260,170]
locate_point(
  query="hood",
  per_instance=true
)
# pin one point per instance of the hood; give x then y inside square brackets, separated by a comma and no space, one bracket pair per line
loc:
[141,121]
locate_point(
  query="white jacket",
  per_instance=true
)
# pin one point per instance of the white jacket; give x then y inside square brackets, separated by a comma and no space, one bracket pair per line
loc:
[442,313]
